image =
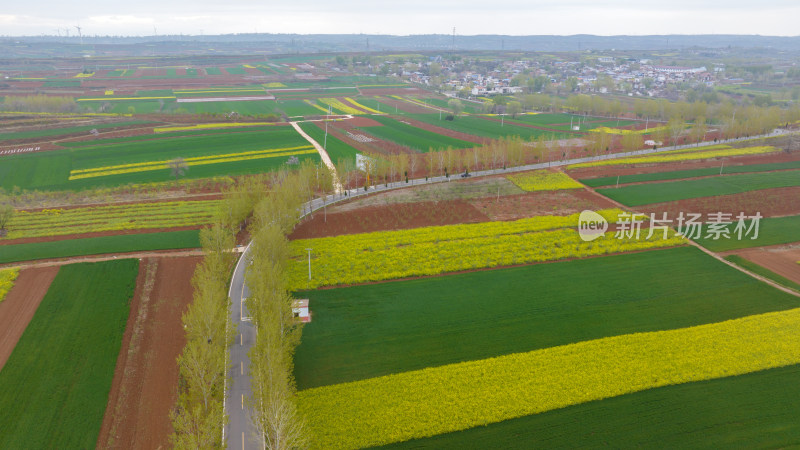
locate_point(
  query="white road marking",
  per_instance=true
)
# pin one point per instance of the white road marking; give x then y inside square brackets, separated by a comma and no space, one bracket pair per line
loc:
[242,298]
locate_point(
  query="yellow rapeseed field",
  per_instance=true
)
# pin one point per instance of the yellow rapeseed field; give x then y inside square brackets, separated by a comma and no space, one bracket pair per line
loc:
[90,219]
[624,132]
[7,277]
[359,105]
[320,108]
[197,161]
[455,397]
[387,255]
[204,126]
[544,180]
[337,104]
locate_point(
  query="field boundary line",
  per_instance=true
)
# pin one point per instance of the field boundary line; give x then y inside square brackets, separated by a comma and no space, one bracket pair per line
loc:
[717,256]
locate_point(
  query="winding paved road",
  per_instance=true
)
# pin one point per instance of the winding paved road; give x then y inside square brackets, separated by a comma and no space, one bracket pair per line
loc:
[240,431]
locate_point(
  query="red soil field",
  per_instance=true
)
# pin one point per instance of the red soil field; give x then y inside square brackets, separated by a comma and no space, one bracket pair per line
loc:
[782,261]
[531,204]
[361,121]
[776,202]
[395,216]
[145,386]
[20,304]
[609,171]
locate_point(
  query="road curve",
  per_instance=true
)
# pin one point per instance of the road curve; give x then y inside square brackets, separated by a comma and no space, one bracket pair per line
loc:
[240,431]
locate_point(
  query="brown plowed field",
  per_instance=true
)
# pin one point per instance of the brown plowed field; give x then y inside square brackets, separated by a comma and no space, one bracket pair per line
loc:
[145,385]
[769,202]
[394,216]
[531,204]
[782,261]
[20,304]
[609,171]
[359,121]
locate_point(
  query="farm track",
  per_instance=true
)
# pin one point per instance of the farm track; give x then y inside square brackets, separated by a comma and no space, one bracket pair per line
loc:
[109,257]
[75,137]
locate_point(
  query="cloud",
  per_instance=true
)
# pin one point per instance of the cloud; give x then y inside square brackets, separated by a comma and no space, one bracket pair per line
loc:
[119,20]
[515,17]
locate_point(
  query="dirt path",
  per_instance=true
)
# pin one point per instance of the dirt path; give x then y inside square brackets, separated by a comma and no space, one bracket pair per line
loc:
[20,304]
[48,145]
[145,386]
[337,185]
[107,257]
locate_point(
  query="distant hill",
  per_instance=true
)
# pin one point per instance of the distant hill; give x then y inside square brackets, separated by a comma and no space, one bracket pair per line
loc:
[27,46]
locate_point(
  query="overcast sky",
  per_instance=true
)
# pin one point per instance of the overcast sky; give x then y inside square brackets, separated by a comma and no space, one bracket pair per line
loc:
[469,17]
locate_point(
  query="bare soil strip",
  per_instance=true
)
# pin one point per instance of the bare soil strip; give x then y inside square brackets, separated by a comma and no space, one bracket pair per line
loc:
[17,310]
[145,386]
